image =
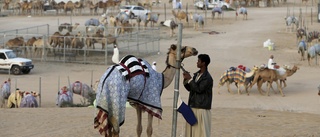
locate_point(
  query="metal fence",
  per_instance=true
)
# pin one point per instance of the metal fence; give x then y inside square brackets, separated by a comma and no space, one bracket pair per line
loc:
[140,42]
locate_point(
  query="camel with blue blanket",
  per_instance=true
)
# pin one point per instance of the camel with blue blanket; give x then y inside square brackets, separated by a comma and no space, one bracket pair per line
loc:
[238,76]
[302,46]
[313,51]
[134,80]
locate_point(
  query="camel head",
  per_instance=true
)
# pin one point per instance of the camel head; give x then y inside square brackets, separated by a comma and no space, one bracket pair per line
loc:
[35,94]
[186,51]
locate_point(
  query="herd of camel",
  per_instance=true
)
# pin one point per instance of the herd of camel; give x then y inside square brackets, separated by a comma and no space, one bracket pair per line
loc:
[36,7]
[247,79]
[26,99]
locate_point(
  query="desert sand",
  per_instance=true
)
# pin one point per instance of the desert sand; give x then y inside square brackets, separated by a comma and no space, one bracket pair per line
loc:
[233,115]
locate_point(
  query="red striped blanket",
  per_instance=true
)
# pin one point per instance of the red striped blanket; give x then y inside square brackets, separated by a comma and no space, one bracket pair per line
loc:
[237,76]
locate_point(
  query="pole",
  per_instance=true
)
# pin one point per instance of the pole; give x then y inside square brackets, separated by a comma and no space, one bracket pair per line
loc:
[39,91]
[91,77]
[176,84]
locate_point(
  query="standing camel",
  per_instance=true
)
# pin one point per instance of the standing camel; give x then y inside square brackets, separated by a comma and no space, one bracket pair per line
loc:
[180,15]
[134,80]
[69,6]
[269,75]
[240,77]
[244,12]
[313,51]
[198,20]
[302,47]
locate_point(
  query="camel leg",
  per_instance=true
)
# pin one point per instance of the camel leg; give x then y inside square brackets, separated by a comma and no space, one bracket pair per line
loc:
[284,84]
[246,87]
[259,85]
[239,91]
[219,89]
[139,126]
[279,88]
[269,87]
[149,128]
[229,90]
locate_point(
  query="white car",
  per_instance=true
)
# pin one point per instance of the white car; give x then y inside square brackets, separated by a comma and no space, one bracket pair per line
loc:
[133,10]
[17,65]
[220,3]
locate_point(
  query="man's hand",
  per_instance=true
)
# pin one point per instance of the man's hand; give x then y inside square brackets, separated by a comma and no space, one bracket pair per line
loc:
[186,76]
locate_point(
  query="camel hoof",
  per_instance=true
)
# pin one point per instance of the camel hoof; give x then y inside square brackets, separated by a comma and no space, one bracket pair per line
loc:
[283,95]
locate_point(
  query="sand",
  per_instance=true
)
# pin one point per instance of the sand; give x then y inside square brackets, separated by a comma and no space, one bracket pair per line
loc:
[240,42]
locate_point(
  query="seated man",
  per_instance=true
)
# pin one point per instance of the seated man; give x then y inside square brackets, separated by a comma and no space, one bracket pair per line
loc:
[272,64]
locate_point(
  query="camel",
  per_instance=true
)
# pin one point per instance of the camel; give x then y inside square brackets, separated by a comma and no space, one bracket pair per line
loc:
[29,44]
[300,33]
[29,100]
[68,27]
[95,23]
[197,20]
[313,35]
[215,10]
[82,89]
[77,42]
[269,75]
[313,51]
[93,8]
[108,4]
[141,86]
[99,38]
[15,42]
[14,100]
[126,27]
[122,17]
[37,6]
[41,46]
[65,41]
[237,75]
[54,39]
[64,97]
[302,47]
[291,21]
[69,6]
[5,92]
[58,6]
[153,18]
[79,5]
[171,24]
[244,12]
[26,7]
[282,75]
[180,15]
[144,19]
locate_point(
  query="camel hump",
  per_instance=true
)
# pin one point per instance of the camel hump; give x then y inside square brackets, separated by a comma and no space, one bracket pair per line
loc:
[249,74]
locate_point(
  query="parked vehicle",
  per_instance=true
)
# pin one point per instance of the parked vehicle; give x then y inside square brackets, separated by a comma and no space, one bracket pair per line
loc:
[16,65]
[133,10]
[200,4]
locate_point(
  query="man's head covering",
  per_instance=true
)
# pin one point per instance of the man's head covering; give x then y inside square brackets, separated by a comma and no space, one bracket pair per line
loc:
[154,63]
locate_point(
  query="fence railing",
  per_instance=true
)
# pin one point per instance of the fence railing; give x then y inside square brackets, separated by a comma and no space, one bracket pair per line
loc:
[140,42]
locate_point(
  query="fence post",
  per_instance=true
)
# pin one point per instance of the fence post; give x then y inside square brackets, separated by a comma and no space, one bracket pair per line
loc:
[39,91]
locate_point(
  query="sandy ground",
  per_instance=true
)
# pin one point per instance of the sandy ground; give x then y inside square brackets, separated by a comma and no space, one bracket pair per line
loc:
[296,114]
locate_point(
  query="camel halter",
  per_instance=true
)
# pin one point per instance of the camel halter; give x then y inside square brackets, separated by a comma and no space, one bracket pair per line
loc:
[182,58]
